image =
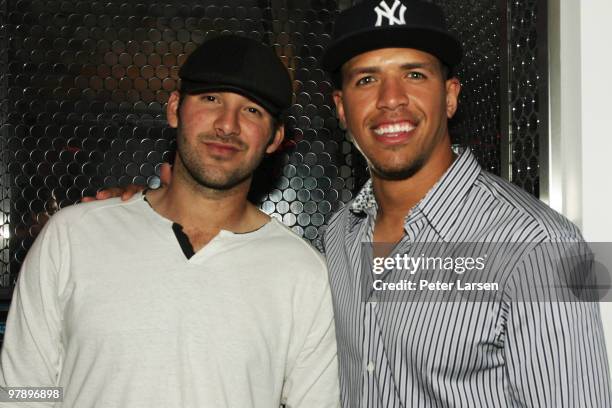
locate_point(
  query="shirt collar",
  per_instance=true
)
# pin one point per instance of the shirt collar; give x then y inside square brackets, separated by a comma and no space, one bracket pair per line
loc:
[445,195]
[364,200]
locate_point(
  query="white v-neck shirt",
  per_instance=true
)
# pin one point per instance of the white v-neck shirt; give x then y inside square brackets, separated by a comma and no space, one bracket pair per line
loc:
[108,307]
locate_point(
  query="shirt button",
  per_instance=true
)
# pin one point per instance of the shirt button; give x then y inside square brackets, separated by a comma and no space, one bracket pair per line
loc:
[370,367]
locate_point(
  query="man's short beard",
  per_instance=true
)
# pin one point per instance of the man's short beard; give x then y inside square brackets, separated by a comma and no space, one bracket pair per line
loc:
[394,174]
[399,174]
[199,177]
[236,178]
[226,185]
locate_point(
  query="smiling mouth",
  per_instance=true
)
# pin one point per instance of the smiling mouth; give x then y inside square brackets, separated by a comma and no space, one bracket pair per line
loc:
[394,128]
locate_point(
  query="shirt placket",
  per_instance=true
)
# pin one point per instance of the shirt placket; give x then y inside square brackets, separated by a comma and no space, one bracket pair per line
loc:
[377,375]
[373,357]
[373,348]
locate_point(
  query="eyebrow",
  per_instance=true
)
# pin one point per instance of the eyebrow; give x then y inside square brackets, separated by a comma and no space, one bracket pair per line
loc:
[404,67]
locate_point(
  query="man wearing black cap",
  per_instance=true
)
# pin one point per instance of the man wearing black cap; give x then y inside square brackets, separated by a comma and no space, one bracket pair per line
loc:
[390,62]
[187,296]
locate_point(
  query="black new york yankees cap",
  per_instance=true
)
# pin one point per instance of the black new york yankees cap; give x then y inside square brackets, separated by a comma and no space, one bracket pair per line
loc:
[238,64]
[375,24]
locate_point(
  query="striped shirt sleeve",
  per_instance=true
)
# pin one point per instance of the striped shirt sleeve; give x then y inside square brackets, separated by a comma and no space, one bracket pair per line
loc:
[555,350]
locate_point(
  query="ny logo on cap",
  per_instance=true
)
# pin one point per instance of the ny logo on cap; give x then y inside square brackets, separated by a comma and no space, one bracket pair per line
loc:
[384,11]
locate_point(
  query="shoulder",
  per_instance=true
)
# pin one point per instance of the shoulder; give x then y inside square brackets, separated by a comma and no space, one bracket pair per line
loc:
[74,226]
[289,255]
[288,244]
[88,214]
[342,219]
[520,212]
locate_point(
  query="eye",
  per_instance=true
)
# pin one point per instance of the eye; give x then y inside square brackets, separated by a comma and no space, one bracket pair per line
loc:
[365,80]
[253,110]
[208,98]
[416,75]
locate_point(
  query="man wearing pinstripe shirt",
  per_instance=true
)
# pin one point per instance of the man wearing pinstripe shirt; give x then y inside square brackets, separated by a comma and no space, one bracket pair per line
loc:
[391,64]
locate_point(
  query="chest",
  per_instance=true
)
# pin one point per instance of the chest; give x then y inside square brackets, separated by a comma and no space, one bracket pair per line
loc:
[425,334]
[196,237]
[220,301]
[388,230]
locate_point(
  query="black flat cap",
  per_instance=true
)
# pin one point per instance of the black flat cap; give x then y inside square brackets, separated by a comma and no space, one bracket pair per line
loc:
[375,24]
[238,64]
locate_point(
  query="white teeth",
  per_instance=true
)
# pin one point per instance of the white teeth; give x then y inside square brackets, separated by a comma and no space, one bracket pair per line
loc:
[394,128]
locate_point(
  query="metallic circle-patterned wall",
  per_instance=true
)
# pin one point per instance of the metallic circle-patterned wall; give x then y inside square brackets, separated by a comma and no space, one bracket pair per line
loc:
[83,87]
[526,94]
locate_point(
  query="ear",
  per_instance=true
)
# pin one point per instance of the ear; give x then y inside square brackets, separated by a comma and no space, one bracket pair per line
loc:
[279,135]
[339,102]
[172,109]
[453,87]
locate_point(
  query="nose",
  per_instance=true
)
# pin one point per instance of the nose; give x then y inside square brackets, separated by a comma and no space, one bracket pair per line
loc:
[227,122]
[392,94]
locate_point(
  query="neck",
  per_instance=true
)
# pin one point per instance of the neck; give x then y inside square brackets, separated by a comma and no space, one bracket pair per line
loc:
[197,207]
[396,198]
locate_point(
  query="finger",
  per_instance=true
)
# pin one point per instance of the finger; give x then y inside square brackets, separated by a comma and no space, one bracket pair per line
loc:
[108,193]
[130,190]
[103,194]
[165,174]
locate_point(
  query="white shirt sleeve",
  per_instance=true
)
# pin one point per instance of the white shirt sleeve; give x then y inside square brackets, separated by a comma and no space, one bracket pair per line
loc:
[31,351]
[312,381]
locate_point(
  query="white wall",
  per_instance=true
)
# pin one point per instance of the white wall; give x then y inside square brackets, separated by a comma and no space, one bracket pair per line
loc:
[596,49]
[596,58]
[581,120]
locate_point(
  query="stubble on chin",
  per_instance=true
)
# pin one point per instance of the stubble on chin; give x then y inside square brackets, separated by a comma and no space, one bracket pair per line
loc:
[397,173]
[207,177]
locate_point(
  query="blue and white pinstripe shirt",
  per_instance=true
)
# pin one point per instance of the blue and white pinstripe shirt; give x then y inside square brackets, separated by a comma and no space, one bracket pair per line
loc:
[478,354]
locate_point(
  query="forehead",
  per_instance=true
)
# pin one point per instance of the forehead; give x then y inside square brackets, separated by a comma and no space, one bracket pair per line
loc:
[389,57]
